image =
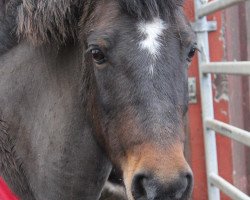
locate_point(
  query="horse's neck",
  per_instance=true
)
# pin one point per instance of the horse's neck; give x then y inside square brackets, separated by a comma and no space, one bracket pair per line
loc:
[40,102]
[11,168]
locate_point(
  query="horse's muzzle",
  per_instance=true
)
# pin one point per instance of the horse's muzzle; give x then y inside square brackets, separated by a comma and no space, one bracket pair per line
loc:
[147,187]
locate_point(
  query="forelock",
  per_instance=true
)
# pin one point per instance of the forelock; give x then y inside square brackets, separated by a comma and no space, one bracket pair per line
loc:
[148,9]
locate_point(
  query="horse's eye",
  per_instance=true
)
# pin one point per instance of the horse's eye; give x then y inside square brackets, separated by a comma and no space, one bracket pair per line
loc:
[98,56]
[192,53]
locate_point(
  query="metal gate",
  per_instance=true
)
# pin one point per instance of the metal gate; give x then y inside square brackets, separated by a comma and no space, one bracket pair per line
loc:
[206,68]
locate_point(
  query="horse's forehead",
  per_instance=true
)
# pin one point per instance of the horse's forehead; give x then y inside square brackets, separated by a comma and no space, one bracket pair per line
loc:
[151,31]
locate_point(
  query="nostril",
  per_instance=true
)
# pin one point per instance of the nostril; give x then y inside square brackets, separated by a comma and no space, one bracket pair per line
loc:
[184,187]
[149,187]
[138,186]
[189,178]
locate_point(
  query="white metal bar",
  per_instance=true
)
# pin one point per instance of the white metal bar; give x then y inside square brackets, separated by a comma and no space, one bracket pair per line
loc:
[207,108]
[215,182]
[216,5]
[229,131]
[236,68]
[227,188]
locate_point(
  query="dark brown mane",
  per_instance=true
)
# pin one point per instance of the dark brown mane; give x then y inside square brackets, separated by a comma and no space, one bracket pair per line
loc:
[148,9]
[7,26]
[42,21]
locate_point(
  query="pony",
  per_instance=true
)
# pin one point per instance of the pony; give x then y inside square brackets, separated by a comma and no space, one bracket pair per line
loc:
[86,85]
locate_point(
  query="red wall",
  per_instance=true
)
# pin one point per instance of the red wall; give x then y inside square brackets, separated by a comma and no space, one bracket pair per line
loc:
[237,29]
[196,142]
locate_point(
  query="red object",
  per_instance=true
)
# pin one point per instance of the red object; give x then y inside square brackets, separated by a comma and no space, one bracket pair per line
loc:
[5,192]
[196,140]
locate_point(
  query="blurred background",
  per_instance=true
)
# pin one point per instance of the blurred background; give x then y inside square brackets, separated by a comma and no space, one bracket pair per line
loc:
[231,99]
